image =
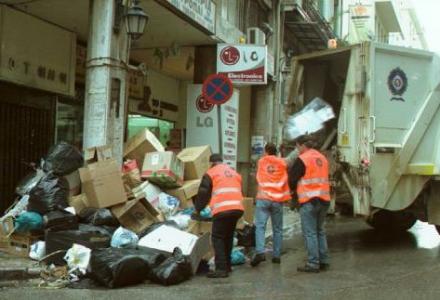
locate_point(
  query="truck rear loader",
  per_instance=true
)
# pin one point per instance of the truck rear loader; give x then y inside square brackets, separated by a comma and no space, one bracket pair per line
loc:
[384,144]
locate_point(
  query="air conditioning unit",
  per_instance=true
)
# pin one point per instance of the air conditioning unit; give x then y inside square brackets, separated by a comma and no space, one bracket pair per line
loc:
[256,36]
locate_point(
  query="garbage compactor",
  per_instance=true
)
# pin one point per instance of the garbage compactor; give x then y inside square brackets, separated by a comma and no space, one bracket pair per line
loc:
[384,143]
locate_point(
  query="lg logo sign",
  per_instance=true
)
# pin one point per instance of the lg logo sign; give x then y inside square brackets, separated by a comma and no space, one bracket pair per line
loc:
[230,55]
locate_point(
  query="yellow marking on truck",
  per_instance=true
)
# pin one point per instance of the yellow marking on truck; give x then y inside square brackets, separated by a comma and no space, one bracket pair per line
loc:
[422,169]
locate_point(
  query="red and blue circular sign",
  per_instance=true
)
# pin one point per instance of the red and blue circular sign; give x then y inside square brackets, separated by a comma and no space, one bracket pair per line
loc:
[217,89]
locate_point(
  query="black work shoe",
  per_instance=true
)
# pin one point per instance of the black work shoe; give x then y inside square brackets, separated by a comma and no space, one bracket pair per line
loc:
[257,258]
[308,269]
[276,260]
[324,267]
[218,274]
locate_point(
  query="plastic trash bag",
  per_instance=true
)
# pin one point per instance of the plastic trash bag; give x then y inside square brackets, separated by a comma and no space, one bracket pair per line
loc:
[181,220]
[28,221]
[98,217]
[119,267]
[206,213]
[49,194]
[246,236]
[124,238]
[78,258]
[63,159]
[174,270]
[168,205]
[29,182]
[309,119]
[237,257]
[60,220]
[38,250]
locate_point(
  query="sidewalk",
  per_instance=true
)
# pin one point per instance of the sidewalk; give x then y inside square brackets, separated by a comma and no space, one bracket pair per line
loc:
[17,268]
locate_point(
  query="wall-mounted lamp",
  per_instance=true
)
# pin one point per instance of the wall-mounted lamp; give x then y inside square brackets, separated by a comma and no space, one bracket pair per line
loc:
[135,19]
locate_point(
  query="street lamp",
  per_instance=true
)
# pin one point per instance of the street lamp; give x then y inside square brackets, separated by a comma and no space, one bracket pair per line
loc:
[135,20]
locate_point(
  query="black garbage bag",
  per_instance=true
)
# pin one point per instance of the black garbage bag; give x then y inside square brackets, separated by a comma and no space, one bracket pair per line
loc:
[49,194]
[173,270]
[63,159]
[246,236]
[119,267]
[156,225]
[60,220]
[98,217]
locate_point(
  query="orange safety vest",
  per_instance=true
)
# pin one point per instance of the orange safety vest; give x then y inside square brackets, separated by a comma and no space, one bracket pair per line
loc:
[315,182]
[226,189]
[272,179]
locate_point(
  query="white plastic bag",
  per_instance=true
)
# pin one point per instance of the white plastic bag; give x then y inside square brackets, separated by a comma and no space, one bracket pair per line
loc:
[181,220]
[309,120]
[38,250]
[168,205]
[124,238]
[78,258]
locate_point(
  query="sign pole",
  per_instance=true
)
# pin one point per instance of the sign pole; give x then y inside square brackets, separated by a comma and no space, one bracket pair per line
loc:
[220,133]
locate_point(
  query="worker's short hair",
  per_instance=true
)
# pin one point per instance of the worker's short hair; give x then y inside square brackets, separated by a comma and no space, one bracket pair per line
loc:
[306,140]
[215,158]
[270,149]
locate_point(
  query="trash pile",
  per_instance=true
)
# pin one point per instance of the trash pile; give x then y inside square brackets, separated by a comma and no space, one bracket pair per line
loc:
[82,216]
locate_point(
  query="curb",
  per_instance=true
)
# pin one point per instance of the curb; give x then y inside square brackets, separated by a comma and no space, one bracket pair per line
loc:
[19,273]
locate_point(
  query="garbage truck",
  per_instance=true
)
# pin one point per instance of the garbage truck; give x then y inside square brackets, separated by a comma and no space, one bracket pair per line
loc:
[384,143]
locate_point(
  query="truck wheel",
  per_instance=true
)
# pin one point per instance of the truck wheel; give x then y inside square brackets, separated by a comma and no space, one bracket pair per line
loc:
[391,221]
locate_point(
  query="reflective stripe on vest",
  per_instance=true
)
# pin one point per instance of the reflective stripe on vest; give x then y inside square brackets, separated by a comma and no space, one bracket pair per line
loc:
[313,180]
[272,184]
[312,194]
[273,195]
[226,203]
[225,191]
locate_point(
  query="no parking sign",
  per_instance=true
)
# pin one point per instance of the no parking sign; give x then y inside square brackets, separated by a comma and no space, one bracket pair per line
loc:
[217,89]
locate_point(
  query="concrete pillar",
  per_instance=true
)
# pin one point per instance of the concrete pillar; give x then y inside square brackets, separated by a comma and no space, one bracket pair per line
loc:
[106,89]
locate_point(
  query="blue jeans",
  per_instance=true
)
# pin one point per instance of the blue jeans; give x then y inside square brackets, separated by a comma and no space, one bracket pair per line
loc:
[264,209]
[312,222]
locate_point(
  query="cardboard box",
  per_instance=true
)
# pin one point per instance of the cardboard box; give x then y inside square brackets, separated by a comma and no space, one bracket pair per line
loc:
[196,160]
[163,169]
[131,174]
[102,184]
[249,209]
[136,215]
[20,245]
[148,191]
[185,193]
[140,144]
[166,238]
[79,202]
[95,154]
[199,227]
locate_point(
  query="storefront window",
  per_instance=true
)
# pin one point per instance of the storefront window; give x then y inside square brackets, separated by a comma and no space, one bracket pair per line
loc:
[69,123]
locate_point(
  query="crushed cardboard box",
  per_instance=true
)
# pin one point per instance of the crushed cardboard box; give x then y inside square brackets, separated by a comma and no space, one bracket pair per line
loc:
[185,193]
[95,154]
[20,244]
[163,169]
[78,202]
[102,184]
[136,215]
[148,191]
[196,160]
[140,144]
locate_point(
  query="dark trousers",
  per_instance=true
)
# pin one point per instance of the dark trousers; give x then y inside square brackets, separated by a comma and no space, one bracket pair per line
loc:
[222,236]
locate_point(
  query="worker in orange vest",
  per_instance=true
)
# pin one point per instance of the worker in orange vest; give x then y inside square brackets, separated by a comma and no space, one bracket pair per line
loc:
[273,192]
[221,189]
[309,178]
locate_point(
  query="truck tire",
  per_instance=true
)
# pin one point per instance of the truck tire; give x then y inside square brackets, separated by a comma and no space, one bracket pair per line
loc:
[391,221]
